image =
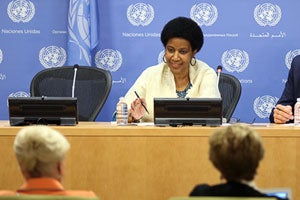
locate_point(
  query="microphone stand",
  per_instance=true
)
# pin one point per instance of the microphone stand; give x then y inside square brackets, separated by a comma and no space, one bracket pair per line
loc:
[74,79]
[219,70]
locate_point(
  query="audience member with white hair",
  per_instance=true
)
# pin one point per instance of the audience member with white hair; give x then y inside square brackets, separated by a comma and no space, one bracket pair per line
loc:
[40,152]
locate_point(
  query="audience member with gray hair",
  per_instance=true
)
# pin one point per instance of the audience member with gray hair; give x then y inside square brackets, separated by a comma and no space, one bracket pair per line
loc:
[235,151]
[40,152]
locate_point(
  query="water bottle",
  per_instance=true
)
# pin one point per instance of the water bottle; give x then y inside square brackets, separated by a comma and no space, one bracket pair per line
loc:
[297,112]
[122,112]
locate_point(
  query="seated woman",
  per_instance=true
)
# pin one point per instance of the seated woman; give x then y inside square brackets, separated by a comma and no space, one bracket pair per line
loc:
[180,75]
[236,152]
[40,152]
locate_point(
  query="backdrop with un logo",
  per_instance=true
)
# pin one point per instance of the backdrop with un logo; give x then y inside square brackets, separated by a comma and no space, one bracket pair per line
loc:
[253,40]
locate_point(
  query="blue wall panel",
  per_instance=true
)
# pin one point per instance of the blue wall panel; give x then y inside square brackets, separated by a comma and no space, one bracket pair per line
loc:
[260,36]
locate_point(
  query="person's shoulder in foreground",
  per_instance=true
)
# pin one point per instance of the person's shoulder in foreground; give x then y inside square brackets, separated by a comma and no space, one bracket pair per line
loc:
[233,189]
[50,186]
[7,193]
[236,152]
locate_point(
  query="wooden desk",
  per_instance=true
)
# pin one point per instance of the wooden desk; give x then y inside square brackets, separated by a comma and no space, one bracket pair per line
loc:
[153,163]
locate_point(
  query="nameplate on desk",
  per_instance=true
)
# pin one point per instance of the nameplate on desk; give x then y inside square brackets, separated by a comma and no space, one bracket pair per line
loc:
[187,111]
[42,110]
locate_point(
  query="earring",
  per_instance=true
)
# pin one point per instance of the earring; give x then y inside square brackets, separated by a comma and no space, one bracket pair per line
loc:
[193,61]
[164,59]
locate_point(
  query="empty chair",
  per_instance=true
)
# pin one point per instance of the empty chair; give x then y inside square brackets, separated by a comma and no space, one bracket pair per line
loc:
[230,89]
[91,87]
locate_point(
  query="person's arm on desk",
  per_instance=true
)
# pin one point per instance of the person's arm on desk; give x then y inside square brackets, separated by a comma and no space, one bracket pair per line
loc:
[282,114]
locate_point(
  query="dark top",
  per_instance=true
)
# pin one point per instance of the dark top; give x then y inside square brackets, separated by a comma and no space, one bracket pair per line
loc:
[292,88]
[230,189]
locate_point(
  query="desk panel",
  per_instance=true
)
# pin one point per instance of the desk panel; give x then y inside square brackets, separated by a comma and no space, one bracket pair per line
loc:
[146,162]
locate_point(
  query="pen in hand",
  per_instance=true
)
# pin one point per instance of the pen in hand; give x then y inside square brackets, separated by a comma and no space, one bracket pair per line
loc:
[277,108]
[285,112]
[141,101]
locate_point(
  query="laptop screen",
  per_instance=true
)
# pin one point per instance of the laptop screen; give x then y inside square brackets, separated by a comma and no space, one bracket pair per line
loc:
[279,192]
[42,110]
[188,111]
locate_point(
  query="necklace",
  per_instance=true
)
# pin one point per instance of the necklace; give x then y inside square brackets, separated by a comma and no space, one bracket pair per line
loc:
[182,94]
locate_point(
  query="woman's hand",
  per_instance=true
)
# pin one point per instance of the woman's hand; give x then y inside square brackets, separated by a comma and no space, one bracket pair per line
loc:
[137,111]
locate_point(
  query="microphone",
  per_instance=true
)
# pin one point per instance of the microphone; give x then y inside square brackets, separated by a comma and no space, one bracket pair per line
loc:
[219,70]
[76,66]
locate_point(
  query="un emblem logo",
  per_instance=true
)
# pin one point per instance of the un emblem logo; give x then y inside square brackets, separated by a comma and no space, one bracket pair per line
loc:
[52,56]
[204,14]
[1,56]
[267,14]
[290,56]
[20,11]
[140,14]
[235,60]
[81,17]
[18,94]
[263,105]
[108,59]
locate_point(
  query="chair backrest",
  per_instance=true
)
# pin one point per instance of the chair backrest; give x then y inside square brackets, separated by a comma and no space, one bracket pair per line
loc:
[230,89]
[92,87]
[45,197]
[222,198]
